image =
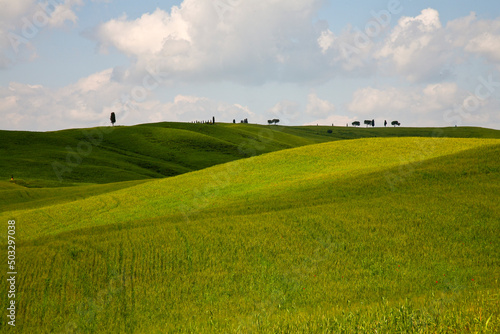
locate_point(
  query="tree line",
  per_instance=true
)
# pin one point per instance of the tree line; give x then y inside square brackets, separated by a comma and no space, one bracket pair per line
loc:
[367,122]
[371,122]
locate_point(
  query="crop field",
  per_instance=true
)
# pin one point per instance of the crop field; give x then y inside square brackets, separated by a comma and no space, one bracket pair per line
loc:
[296,231]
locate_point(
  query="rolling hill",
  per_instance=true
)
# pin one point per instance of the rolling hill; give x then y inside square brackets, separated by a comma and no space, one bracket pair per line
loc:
[114,154]
[365,235]
[103,155]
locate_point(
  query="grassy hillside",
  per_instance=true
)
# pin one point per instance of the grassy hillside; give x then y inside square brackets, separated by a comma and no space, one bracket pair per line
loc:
[104,155]
[17,197]
[363,132]
[370,235]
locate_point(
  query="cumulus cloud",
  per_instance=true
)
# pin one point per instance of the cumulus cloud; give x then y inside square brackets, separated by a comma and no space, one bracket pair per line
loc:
[419,49]
[441,104]
[22,20]
[259,41]
[318,107]
[323,112]
[392,100]
[367,101]
[12,9]
[288,112]
[252,42]
[291,112]
[335,120]
[486,44]
[192,108]
[349,52]
[422,49]
[39,107]
[417,43]
[9,16]
[90,101]
[476,37]
[326,40]
[247,41]
[62,12]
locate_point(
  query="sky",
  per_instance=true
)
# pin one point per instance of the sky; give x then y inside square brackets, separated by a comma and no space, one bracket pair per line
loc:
[71,63]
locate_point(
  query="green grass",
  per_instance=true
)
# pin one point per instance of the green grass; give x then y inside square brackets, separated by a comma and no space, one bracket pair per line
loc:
[17,197]
[105,155]
[375,235]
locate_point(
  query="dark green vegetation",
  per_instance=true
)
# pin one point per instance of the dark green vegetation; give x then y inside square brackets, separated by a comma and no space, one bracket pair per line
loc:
[375,235]
[104,155]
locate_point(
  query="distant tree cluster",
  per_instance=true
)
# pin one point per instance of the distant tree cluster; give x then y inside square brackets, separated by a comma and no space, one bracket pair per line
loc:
[275,121]
[212,121]
[369,122]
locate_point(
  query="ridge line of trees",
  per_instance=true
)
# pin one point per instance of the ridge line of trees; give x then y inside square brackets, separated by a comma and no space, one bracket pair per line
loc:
[368,123]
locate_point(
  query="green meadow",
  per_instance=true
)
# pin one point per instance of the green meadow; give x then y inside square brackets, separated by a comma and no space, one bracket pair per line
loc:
[239,228]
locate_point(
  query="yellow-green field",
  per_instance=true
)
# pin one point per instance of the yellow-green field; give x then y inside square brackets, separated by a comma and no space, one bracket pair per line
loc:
[374,235]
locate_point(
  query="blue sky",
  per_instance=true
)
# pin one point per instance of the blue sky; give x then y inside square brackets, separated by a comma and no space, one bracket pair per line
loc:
[423,63]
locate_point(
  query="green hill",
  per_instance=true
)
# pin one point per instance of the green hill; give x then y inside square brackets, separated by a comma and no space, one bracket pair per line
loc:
[369,235]
[104,155]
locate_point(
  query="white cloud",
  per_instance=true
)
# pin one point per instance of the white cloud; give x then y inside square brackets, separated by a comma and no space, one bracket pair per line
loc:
[416,47]
[486,44]
[367,101]
[324,112]
[22,20]
[419,49]
[288,112]
[291,112]
[392,100]
[326,40]
[335,120]
[193,108]
[245,41]
[442,104]
[10,15]
[89,102]
[317,107]
[411,36]
[64,12]
[39,107]
[477,37]
[14,9]
[145,35]
[259,41]
[251,42]
[422,50]
[350,51]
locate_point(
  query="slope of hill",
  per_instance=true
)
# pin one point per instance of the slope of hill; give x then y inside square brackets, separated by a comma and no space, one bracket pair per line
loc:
[17,197]
[104,155]
[385,234]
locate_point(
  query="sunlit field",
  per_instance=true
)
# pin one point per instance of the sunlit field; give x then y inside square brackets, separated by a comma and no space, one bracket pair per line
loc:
[310,232]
